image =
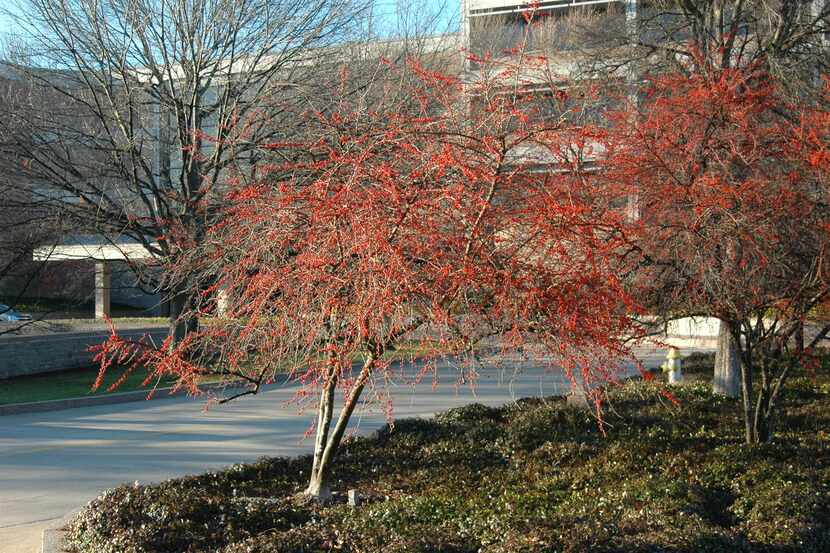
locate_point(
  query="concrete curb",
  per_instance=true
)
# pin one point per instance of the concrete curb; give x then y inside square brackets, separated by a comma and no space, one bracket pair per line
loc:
[111,399]
[53,535]
[682,342]
[46,353]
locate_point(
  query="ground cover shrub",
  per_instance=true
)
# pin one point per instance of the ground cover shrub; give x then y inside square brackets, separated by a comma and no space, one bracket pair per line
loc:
[537,475]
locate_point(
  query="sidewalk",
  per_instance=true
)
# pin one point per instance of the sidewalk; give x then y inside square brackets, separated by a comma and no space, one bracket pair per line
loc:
[22,539]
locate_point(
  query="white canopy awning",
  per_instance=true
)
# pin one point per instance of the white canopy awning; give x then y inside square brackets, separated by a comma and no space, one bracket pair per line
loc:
[93,249]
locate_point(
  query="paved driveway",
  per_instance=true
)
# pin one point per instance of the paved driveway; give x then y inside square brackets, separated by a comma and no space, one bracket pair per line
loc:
[51,463]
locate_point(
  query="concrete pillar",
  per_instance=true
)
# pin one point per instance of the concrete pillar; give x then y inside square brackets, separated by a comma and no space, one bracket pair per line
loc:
[103,289]
[222,301]
[465,30]
[632,7]
[632,208]
[727,378]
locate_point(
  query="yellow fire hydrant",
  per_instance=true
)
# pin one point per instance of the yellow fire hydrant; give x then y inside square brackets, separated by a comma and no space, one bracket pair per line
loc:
[673,366]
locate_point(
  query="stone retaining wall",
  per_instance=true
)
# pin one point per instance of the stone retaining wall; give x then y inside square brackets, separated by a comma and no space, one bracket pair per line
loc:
[27,355]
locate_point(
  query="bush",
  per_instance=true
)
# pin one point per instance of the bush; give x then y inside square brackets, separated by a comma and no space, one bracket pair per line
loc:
[187,515]
[534,476]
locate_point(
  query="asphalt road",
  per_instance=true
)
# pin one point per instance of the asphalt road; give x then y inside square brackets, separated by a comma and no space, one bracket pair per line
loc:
[52,463]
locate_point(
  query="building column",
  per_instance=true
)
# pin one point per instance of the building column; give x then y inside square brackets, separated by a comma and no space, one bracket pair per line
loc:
[632,208]
[103,289]
[631,9]
[820,10]
[222,301]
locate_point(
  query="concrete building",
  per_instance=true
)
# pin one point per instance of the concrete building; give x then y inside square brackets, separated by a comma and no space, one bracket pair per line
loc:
[157,146]
[624,39]
[486,25]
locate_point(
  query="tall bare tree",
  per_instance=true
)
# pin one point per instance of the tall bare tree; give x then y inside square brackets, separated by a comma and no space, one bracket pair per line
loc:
[139,110]
[26,220]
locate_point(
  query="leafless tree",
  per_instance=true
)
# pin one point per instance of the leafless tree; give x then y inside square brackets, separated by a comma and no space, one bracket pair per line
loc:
[139,110]
[26,221]
[22,227]
[632,38]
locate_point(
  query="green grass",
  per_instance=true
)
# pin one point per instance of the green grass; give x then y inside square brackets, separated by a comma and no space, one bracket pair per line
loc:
[77,383]
[118,321]
[535,476]
[48,305]
[64,385]
[148,320]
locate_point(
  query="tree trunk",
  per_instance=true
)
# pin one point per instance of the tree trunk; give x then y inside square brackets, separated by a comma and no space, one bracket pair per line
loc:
[746,385]
[799,337]
[181,319]
[761,426]
[328,439]
[318,485]
[727,377]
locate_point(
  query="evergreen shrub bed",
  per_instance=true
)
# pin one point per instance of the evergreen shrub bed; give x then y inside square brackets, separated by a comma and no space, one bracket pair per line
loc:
[535,476]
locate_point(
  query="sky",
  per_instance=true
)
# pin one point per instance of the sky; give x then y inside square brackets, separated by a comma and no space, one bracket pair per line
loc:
[443,14]
[5,23]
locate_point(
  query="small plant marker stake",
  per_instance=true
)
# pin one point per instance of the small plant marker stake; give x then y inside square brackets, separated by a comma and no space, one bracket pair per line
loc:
[354,498]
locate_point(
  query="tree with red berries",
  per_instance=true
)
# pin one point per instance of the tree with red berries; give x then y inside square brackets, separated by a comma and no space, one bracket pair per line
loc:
[731,180]
[427,210]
